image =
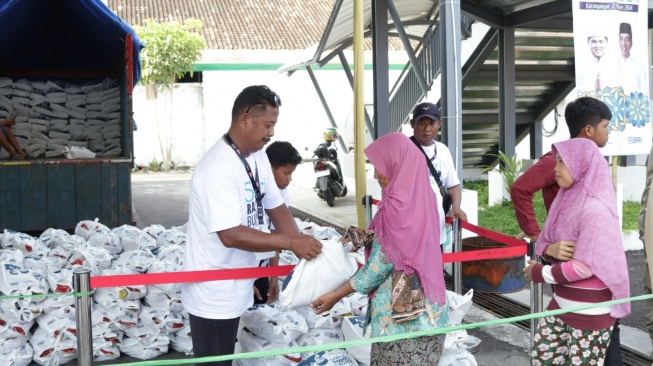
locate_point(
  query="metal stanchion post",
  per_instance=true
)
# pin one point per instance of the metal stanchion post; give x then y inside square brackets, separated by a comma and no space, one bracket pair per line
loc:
[82,284]
[536,294]
[367,203]
[456,232]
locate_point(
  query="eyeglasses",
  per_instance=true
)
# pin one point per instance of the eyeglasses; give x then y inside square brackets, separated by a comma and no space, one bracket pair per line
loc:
[272,100]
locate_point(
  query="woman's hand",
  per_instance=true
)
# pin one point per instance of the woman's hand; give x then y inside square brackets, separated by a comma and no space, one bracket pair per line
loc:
[528,271]
[562,250]
[273,290]
[325,302]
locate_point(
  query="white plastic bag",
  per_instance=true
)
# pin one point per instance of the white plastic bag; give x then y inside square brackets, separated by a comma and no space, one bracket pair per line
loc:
[85,228]
[311,279]
[274,323]
[251,343]
[459,305]
[328,319]
[336,357]
[352,330]
[316,337]
[145,348]
[78,152]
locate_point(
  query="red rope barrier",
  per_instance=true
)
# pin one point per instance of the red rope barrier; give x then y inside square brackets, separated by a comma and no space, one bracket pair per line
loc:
[515,247]
[190,276]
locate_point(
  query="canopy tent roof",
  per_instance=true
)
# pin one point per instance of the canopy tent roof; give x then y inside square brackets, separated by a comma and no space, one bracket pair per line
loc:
[64,37]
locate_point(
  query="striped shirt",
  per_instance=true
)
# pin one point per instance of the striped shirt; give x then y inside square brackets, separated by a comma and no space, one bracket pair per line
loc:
[574,284]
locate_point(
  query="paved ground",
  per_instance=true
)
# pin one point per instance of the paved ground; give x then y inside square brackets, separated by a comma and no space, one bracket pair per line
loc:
[162,198]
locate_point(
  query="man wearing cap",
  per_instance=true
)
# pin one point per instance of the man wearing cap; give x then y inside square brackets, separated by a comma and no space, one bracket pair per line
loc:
[631,73]
[425,123]
[599,72]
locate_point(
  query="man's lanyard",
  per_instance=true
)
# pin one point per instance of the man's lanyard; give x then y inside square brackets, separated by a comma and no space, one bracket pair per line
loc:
[252,178]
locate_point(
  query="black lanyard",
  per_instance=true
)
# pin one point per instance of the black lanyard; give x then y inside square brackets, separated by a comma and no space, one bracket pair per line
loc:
[252,178]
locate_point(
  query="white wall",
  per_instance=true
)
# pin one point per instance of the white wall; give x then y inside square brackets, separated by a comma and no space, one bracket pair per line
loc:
[202,112]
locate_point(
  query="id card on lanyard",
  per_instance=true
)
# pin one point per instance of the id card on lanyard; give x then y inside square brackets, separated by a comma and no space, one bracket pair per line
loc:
[258,195]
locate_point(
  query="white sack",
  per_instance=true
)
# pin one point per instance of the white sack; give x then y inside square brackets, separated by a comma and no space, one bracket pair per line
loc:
[336,357]
[352,330]
[312,279]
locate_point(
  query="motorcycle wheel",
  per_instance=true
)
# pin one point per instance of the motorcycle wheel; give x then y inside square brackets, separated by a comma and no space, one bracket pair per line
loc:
[344,191]
[328,196]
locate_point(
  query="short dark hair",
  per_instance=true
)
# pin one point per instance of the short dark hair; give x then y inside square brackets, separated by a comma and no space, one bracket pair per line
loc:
[254,97]
[585,111]
[282,153]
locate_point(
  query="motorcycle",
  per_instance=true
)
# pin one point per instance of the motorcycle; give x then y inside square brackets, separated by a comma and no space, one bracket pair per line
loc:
[329,182]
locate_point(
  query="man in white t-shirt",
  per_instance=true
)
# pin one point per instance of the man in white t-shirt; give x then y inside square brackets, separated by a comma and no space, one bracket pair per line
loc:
[426,122]
[231,190]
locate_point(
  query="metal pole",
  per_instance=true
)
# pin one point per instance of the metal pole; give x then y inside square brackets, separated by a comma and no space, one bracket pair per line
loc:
[82,284]
[456,232]
[537,301]
[367,203]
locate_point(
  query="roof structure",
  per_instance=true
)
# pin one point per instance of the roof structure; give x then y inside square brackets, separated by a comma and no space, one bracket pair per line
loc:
[238,24]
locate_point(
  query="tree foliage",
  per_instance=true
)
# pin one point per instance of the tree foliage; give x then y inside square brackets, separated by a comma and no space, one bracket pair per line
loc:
[170,50]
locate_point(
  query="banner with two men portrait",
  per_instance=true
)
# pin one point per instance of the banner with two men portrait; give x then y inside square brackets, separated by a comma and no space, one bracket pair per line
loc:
[612,64]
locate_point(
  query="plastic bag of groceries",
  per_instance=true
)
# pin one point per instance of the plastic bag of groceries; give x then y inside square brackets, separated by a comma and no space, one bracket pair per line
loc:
[43,264]
[109,241]
[23,242]
[119,293]
[311,279]
[336,357]
[316,337]
[154,230]
[459,305]
[456,352]
[352,330]
[138,260]
[358,303]
[105,345]
[321,232]
[94,258]
[133,238]
[251,343]
[165,296]
[18,356]
[172,253]
[328,319]
[85,228]
[145,348]
[12,255]
[181,341]
[171,237]
[17,280]
[274,323]
[60,306]
[286,257]
[49,236]
[52,343]
[119,315]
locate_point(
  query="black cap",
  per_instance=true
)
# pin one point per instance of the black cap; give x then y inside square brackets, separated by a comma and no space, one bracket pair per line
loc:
[625,28]
[426,110]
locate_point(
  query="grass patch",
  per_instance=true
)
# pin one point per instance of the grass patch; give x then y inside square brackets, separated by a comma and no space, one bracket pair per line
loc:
[501,217]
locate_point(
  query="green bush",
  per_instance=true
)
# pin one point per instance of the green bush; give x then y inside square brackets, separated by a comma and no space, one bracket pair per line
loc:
[501,217]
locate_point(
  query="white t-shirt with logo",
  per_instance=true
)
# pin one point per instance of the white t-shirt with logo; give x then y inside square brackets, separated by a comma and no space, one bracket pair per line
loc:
[222,197]
[443,164]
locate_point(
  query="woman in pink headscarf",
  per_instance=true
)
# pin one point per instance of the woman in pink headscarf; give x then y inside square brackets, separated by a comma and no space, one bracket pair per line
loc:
[584,212]
[403,274]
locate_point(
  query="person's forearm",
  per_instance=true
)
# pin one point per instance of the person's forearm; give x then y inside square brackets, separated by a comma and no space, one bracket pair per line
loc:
[252,240]
[456,195]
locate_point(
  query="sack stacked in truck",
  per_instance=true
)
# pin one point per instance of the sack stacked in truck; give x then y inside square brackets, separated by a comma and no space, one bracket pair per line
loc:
[53,115]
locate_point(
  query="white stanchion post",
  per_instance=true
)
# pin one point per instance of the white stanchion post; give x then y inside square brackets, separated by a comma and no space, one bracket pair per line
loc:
[537,300]
[82,284]
[456,232]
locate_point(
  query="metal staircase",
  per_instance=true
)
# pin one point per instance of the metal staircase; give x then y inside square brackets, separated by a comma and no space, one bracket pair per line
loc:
[544,76]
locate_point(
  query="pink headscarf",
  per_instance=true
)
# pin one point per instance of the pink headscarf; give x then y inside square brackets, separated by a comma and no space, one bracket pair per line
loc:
[586,213]
[406,220]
